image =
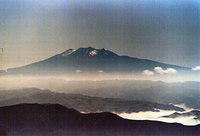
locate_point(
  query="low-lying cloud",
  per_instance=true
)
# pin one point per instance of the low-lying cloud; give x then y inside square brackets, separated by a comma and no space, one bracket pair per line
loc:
[196,68]
[78,71]
[158,116]
[100,71]
[148,73]
[160,70]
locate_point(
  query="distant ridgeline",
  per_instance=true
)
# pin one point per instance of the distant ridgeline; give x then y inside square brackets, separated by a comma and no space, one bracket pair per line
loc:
[91,60]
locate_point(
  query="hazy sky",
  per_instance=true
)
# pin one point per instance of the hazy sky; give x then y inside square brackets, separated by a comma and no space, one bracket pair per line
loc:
[162,30]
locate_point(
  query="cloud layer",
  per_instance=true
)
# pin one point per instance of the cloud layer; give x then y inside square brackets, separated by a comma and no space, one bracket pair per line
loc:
[196,68]
[166,71]
[148,73]
[149,115]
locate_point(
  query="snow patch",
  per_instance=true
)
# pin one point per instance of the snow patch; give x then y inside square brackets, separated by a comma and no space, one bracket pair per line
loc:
[68,52]
[93,53]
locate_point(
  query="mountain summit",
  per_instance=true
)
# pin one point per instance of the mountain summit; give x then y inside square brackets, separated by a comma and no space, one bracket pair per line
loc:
[91,60]
[89,52]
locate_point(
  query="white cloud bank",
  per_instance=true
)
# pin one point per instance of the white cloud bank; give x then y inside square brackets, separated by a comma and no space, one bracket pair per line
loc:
[100,71]
[148,73]
[150,115]
[196,68]
[167,71]
[78,71]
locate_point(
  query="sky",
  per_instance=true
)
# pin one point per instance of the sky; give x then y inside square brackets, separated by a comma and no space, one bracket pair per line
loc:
[162,30]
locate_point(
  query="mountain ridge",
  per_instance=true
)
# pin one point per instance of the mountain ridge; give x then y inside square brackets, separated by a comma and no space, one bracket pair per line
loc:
[85,103]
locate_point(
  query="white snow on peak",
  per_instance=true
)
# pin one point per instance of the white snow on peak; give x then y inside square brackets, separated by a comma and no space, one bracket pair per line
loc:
[93,53]
[68,52]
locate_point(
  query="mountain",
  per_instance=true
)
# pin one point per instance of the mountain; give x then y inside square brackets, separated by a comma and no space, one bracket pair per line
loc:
[57,120]
[3,133]
[18,93]
[90,60]
[82,103]
[194,113]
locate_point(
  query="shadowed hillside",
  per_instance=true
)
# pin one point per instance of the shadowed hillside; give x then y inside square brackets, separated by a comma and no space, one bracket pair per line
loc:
[57,120]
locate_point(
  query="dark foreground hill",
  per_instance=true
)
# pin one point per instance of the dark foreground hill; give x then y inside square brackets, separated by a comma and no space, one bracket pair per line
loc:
[57,120]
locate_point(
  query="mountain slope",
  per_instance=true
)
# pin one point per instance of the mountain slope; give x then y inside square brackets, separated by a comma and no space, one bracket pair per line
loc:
[90,60]
[56,120]
[84,103]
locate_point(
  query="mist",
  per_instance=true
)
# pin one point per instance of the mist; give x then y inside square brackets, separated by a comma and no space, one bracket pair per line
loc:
[53,82]
[157,116]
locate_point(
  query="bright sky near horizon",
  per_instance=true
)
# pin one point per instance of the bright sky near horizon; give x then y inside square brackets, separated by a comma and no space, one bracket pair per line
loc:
[161,30]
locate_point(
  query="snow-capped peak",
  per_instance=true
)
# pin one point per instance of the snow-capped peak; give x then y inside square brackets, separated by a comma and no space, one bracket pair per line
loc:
[88,52]
[93,53]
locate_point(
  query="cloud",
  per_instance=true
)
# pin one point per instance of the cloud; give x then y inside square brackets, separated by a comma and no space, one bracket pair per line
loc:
[167,71]
[196,68]
[150,115]
[78,71]
[100,71]
[148,73]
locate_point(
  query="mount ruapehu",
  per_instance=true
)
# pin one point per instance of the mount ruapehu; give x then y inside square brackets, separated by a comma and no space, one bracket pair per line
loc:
[91,60]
